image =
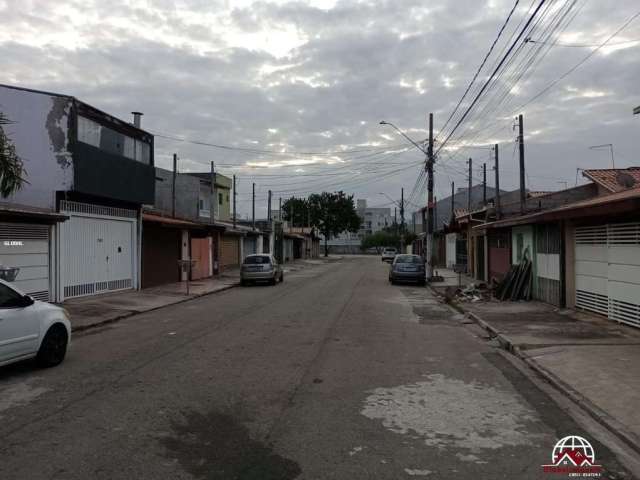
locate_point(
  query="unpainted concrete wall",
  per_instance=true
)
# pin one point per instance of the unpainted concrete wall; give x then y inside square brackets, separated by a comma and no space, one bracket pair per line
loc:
[40,133]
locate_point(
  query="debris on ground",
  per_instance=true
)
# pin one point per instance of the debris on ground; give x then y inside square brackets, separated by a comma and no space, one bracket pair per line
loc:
[474,292]
[517,283]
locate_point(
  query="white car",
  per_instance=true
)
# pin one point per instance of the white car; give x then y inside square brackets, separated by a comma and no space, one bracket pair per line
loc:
[30,328]
[388,254]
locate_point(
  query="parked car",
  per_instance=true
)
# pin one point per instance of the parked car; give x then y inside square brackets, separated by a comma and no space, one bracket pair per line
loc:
[388,254]
[407,268]
[30,328]
[259,267]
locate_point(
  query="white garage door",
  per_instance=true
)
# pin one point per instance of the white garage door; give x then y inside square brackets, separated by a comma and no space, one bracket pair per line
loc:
[608,271]
[97,249]
[24,257]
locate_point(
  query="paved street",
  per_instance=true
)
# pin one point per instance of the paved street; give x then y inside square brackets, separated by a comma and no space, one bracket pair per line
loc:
[334,374]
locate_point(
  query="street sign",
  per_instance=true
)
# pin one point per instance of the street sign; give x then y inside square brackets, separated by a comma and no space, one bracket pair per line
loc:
[636,110]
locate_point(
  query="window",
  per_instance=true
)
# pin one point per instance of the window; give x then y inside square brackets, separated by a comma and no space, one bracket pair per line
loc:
[104,138]
[219,199]
[9,298]
[257,260]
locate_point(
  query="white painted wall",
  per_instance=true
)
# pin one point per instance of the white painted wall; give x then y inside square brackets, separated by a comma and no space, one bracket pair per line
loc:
[40,135]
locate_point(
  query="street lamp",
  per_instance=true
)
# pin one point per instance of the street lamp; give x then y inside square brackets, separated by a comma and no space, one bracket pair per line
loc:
[405,136]
[610,145]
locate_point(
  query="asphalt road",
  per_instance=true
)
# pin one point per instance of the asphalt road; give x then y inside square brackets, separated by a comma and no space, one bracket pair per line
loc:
[334,374]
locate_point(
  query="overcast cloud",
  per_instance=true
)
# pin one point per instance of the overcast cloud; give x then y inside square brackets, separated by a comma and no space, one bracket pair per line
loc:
[318,76]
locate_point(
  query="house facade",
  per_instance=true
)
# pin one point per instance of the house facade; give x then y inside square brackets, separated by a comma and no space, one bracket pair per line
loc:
[585,250]
[92,168]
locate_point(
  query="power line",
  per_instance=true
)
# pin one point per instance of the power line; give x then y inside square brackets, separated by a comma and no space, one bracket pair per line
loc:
[484,61]
[269,152]
[492,76]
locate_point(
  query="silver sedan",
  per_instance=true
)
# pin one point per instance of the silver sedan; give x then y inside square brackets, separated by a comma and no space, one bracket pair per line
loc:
[407,268]
[260,267]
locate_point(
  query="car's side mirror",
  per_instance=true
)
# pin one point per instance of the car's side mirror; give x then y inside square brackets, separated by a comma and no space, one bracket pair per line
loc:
[27,301]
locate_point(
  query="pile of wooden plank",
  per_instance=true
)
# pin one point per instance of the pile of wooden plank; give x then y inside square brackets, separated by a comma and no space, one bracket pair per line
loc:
[518,282]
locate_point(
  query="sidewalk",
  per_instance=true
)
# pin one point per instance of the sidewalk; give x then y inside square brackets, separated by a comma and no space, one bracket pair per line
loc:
[593,360]
[98,310]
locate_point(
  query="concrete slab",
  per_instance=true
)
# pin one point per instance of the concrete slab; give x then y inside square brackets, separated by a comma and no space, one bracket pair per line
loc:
[608,377]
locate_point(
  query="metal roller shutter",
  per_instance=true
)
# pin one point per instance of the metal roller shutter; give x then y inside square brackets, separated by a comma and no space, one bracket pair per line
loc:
[25,247]
[229,251]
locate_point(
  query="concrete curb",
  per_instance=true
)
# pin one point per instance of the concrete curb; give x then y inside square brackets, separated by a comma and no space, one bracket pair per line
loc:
[131,313]
[595,412]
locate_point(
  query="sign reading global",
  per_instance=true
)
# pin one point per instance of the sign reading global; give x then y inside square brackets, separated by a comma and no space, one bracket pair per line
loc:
[573,456]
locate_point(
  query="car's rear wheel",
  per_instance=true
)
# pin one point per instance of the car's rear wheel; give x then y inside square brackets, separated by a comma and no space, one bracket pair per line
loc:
[53,347]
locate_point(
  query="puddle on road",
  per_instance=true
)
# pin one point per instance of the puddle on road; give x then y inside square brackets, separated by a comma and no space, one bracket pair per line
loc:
[217,446]
[449,413]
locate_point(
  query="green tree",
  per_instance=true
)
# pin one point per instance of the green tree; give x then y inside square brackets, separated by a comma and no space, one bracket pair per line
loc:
[11,167]
[296,212]
[333,213]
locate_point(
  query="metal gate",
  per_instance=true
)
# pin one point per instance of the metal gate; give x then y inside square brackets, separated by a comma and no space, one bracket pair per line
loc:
[608,271]
[97,249]
[547,283]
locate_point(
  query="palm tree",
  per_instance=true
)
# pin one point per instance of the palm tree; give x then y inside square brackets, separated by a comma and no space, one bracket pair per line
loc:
[12,170]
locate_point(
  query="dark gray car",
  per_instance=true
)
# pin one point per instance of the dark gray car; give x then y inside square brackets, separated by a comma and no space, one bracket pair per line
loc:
[260,268]
[407,268]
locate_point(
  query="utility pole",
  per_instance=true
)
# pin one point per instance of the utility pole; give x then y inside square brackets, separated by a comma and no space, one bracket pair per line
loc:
[484,184]
[253,206]
[214,200]
[453,195]
[430,162]
[402,220]
[234,201]
[435,214]
[173,185]
[269,209]
[293,222]
[279,209]
[469,191]
[496,167]
[521,145]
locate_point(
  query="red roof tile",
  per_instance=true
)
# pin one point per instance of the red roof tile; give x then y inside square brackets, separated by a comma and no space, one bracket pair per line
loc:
[615,180]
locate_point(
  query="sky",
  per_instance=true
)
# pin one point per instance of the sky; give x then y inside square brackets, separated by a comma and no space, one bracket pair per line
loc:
[297,89]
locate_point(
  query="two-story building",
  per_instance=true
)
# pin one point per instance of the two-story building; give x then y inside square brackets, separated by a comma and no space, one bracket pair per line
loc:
[93,169]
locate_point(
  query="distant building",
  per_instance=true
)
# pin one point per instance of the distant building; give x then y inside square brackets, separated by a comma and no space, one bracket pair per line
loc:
[373,219]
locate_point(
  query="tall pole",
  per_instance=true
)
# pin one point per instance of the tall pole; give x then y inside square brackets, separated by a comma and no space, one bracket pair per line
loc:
[430,161]
[497,169]
[293,222]
[253,206]
[469,191]
[402,220]
[435,214]
[453,203]
[269,208]
[279,209]
[484,184]
[521,145]
[173,185]
[234,201]
[214,200]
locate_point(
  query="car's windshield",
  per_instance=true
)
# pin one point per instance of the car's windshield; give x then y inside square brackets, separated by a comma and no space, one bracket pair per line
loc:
[390,250]
[257,259]
[408,259]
